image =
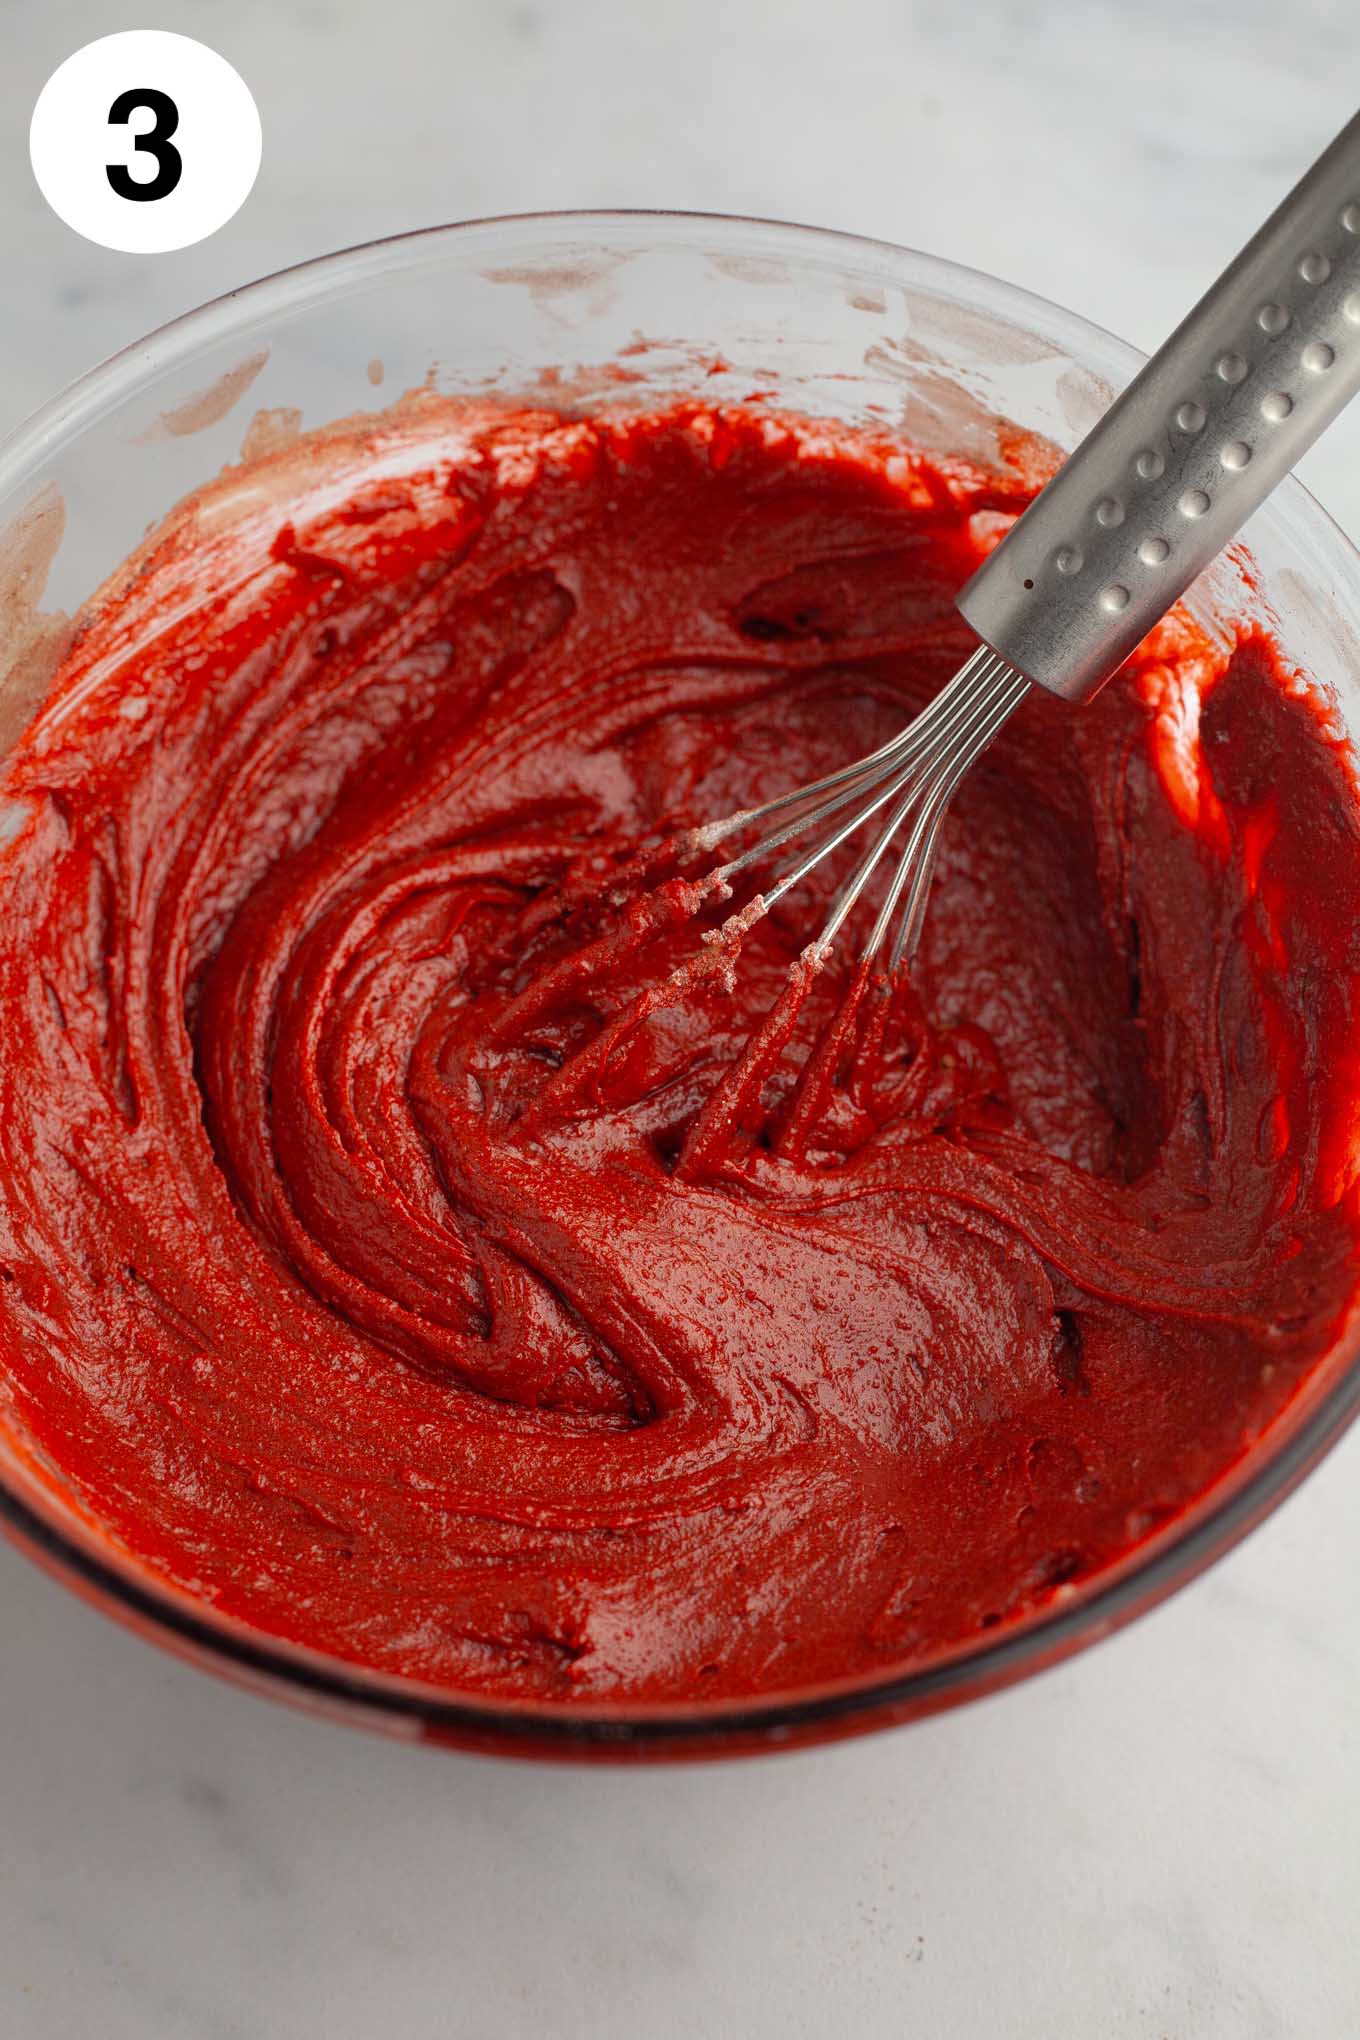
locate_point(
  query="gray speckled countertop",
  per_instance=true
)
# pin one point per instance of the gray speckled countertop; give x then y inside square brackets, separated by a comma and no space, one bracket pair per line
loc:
[1156,1842]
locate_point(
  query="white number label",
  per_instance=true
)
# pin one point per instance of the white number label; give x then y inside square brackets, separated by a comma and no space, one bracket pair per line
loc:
[145,141]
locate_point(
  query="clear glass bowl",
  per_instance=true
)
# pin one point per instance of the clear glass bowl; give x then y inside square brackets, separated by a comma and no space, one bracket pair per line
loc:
[635,306]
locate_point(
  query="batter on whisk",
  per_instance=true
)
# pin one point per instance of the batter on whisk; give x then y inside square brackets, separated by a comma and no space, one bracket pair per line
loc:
[401,1248]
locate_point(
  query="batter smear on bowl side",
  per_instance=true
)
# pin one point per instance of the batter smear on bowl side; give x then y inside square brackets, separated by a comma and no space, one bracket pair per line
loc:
[363,1270]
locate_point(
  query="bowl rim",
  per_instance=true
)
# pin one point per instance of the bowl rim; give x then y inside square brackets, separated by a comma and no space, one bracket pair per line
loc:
[1244,1494]
[129,369]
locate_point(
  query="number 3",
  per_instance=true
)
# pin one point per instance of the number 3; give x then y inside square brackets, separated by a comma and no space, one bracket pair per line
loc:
[156,141]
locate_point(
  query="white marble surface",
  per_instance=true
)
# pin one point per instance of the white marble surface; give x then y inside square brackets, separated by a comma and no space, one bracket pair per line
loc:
[1157,1842]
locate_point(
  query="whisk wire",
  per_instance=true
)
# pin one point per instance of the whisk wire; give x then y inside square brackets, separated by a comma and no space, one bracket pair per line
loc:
[915,776]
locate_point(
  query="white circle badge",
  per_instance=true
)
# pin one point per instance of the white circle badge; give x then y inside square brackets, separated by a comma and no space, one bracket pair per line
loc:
[145,141]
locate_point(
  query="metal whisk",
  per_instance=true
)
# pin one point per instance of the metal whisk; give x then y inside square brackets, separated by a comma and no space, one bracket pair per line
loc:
[908,782]
[1220,414]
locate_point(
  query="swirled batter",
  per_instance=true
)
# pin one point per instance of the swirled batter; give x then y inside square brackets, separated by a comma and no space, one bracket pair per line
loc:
[402,1249]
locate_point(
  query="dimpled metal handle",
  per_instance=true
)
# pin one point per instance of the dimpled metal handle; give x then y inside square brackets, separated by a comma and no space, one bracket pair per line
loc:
[1179,462]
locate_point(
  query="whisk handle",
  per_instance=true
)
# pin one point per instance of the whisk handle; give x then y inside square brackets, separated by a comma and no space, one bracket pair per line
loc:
[1197,441]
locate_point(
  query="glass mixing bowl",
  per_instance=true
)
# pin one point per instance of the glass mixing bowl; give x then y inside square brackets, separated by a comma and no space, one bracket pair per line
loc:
[633,307]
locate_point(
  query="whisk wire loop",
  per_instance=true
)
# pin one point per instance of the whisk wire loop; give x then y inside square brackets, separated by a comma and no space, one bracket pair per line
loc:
[914,776]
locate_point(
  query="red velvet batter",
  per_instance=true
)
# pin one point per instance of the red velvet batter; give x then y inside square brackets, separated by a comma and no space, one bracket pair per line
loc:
[374,1264]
